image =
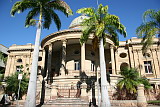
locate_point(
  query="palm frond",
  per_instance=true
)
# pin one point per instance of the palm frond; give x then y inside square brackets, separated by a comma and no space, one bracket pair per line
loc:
[31,15]
[21,6]
[87,11]
[47,18]
[61,6]
[150,13]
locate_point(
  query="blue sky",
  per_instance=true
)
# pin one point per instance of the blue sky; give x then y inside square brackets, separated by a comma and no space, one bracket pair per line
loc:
[12,30]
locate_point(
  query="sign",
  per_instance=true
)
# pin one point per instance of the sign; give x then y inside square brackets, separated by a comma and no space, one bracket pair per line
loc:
[19,76]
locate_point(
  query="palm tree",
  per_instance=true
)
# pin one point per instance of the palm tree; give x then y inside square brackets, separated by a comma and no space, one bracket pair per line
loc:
[45,10]
[102,25]
[127,86]
[149,28]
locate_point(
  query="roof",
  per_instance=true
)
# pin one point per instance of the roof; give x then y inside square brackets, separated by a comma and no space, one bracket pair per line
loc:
[77,21]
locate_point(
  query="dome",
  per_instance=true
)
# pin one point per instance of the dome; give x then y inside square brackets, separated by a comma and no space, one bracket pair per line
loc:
[77,21]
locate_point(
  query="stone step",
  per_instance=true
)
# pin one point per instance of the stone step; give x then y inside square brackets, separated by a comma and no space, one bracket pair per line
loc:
[66,102]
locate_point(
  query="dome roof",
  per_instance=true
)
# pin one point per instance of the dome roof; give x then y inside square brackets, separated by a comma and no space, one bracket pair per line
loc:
[77,21]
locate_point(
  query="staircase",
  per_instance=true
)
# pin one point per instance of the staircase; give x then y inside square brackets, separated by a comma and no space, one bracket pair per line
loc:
[66,102]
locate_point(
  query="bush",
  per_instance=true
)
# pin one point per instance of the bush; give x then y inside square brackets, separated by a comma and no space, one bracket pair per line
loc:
[13,85]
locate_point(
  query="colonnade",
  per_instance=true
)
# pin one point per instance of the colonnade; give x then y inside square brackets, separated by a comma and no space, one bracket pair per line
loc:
[63,59]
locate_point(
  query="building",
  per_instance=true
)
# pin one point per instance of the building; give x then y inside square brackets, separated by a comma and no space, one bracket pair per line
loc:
[65,65]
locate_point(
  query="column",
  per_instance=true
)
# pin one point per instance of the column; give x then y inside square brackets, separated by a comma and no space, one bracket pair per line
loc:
[135,59]
[83,57]
[158,58]
[117,63]
[63,63]
[155,63]
[49,62]
[112,59]
[8,66]
[131,57]
[12,66]
[43,62]
[141,99]
[24,63]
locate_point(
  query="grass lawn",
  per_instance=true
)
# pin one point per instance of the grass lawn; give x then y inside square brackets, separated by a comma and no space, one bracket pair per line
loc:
[154,102]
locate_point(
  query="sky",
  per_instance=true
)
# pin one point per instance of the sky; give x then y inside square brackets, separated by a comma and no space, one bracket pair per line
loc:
[12,30]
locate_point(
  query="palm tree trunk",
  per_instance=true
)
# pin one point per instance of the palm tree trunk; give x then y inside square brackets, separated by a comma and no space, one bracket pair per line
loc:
[105,102]
[31,94]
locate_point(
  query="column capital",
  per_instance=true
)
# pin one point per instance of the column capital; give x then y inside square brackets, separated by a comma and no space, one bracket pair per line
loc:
[111,46]
[64,40]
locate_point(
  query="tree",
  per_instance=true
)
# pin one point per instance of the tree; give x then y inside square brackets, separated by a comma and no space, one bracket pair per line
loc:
[149,28]
[45,9]
[13,84]
[2,71]
[2,58]
[102,25]
[127,86]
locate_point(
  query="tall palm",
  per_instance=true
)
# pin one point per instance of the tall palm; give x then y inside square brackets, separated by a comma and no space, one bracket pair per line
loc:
[45,11]
[102,25]
[149,28]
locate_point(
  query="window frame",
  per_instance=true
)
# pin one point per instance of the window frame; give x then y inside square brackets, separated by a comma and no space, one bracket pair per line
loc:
[148,67]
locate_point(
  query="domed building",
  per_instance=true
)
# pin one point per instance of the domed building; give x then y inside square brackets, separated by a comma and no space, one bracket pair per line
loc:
[68,70]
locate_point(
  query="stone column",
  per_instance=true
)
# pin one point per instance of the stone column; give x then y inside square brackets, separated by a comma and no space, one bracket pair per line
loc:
[63,63]
[112,59]
[135,58]
[117,63]
[83,57]
[49,63]
[84,94]
[24,63]
[141,99]
[8,66]
[155,63]
[12,66]
[54,91]
[43,62]
[158,59]
[131,57]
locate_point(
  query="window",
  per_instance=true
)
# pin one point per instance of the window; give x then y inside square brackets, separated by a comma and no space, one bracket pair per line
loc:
[146,55]
[92,53]
[76,52]
[148,67]
[19,60]
[92,65]
[18,69]
[123,55]
[124,65]
[39,58]
[76,65]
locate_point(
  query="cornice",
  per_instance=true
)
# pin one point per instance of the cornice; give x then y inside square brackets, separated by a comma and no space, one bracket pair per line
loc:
[68,31]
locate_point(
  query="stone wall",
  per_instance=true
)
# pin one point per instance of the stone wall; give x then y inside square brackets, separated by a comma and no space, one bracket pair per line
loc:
[124,103]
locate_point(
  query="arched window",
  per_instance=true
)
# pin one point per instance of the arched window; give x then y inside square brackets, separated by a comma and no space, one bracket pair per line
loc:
[146,55]
[123,65]
[40,59]
[19,60]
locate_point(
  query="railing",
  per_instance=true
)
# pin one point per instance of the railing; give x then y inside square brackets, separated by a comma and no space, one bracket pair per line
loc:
[79,73]
[67,93]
